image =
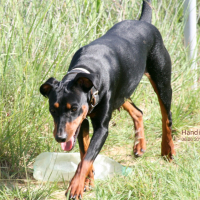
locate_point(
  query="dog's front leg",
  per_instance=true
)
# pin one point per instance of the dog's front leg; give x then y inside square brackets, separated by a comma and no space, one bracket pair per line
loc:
[77,183]
[84,141]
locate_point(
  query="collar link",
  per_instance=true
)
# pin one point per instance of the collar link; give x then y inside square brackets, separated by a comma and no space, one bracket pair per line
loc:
[94,99]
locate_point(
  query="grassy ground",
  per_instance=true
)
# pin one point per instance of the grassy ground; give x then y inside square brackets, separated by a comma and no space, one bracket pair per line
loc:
[38,40]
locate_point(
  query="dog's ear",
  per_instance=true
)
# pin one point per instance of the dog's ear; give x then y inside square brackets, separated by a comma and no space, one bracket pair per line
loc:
[87,81]
[46,88]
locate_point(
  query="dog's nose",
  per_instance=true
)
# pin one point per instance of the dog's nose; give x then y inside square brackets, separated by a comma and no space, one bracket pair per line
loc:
[61,138]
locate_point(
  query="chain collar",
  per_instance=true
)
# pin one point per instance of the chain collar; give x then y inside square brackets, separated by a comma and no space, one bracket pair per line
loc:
[94,99]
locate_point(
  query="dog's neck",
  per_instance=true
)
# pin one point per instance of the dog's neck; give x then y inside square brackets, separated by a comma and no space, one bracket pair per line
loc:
[93,94]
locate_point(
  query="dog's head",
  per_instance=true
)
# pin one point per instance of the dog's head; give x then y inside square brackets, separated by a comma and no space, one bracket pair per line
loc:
[69,104]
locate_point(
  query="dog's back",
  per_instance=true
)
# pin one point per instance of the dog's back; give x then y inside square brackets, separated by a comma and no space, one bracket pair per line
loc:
[122,52]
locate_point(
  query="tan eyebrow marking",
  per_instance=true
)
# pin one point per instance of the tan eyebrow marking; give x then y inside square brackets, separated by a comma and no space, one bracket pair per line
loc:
[56,105]
[69,106]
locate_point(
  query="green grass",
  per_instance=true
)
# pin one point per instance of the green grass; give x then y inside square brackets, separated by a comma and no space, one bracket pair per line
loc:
[38,40]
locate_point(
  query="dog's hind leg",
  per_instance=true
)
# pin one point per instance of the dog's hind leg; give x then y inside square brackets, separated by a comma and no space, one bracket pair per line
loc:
[159,74]
[136,114]
[84,141]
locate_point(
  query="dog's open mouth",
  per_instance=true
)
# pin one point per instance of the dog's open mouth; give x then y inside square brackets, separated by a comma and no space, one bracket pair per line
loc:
[69,145]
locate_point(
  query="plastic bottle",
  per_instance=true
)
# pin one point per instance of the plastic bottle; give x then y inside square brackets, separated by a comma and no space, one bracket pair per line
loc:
[51,167]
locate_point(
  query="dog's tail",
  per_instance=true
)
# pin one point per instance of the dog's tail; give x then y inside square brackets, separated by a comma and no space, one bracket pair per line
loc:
[146,11]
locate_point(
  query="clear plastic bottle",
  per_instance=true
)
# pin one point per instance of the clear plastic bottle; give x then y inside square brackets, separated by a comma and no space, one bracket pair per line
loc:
[51,166]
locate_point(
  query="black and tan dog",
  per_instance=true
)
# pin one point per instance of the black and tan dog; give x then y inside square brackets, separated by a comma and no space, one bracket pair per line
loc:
[101,78]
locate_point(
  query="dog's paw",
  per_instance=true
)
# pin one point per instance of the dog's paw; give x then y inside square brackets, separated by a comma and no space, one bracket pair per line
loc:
[167,150]
[75,189]
[79,185]
[89,181]
[139,147]
[138,153]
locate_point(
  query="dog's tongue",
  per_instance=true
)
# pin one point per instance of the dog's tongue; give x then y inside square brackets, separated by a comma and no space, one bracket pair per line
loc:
[67,146]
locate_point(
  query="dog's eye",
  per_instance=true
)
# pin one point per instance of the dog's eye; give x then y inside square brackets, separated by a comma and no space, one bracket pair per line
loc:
[74,109]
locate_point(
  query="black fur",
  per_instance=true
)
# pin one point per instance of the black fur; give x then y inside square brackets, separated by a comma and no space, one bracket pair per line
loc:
[116,63]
